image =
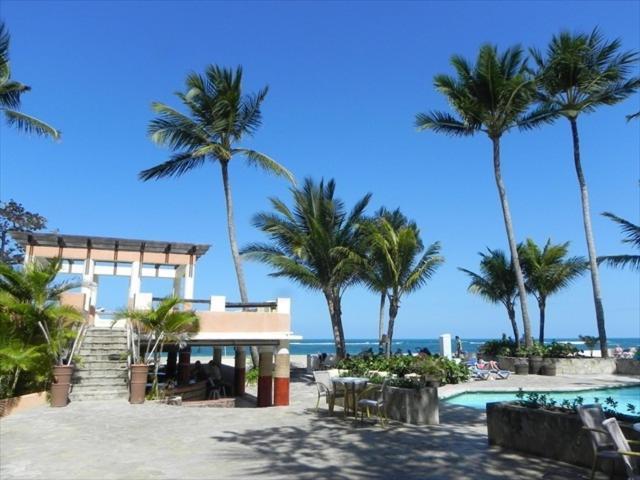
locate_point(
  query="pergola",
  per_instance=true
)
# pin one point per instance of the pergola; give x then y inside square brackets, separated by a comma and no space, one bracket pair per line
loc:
[263,324]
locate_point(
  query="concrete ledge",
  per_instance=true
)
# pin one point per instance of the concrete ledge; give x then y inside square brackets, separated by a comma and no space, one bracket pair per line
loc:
[581,365]
[417,407]
[550,434]
[22,403]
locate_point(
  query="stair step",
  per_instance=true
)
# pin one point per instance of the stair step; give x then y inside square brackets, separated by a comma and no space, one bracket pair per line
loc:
[89,396]
[97,388]
[101,384]
[105,341]
[101,365]
[102,351]
[103,373]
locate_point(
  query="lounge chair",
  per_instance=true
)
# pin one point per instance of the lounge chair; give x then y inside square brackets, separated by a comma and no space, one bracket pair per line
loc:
[378,403]
[630,458]
[326,388]
[592,417]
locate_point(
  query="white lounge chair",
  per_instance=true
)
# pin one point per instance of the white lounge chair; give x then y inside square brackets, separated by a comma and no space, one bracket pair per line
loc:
[630,458]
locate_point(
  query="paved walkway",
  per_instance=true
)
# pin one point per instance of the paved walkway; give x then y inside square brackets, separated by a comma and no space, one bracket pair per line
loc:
[115,440]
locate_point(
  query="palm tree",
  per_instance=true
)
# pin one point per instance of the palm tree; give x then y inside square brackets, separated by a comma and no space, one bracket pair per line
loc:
[372,275]
[162,325]
[493,97]
[32,315]
[316,243]
[632,234]
[577,74]
[396,255]
[497,283]
[548,271]
[10,93]
[219,117]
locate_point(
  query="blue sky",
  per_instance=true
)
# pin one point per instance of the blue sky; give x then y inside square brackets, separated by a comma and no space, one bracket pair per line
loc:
[346,80]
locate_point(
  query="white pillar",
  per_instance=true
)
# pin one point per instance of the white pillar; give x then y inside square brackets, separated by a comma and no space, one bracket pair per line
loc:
[445,345]
[189,277]
[217,303]
[284,305]
[134,281]
[89,288]
[177,281]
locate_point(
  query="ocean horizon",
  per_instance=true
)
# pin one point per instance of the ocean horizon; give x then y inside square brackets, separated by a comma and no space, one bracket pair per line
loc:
[357,345]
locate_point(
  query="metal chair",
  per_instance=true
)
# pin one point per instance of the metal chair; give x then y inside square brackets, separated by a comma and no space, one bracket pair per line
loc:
[325,388]
[378,403]
[630,458]
[592,417]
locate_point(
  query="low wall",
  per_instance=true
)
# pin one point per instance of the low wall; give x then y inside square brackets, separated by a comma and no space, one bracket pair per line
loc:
[581,365]
[22,403]
[408,405]
[555,435]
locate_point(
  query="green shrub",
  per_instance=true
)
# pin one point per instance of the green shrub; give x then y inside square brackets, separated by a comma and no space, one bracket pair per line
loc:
[560,350]
[502,347]
[251,377]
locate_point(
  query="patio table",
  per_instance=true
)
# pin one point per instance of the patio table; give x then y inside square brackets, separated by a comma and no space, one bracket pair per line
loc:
[350,384]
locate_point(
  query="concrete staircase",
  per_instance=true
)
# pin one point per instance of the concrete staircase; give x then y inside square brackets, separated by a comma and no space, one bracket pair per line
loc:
[102,372]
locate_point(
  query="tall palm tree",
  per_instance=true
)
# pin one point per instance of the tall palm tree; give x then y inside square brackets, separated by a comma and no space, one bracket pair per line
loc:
[493,96]
[577,74]
[547,271]
[632,234]
[397,253]
[219,117]
[10,93]
[372,274]
[497,283]
[316,243]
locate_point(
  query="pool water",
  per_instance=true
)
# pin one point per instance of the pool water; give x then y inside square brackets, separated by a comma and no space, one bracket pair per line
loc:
[623,395]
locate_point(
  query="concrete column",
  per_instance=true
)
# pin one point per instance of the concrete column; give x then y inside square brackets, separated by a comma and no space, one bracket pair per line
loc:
[265,377]
[217,355]
[134,281]
[281,376]
[445,345]
[239,371]
[217,303]
[177,281]
[184,367]
[189,281]
[172,360]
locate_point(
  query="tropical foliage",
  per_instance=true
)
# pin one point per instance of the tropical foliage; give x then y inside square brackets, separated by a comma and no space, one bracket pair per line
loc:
[491,96]
[397,262]
[496,283]
[547,271]
[576,75]
[316,242]
[36,331]
[632,237]
[14,217]
[162,324]
[10,96]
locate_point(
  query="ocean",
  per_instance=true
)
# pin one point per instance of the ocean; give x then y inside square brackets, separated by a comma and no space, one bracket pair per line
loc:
[355,346]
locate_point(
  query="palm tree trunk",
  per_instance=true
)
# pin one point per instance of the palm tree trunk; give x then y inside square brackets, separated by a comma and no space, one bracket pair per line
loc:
[513,247]
[335,312]
[381,316]
[542,305]
[393,313]
[591,246]
[511,311]
[235,252]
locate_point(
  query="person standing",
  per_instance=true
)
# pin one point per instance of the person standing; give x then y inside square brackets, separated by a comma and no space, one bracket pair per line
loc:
[458,347]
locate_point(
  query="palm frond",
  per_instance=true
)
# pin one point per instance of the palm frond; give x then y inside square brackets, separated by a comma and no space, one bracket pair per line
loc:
[178,165]
[264,162]
[29,124]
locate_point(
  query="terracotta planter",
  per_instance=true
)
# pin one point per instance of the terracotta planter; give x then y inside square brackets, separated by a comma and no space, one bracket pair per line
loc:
[61,385]
[138,385]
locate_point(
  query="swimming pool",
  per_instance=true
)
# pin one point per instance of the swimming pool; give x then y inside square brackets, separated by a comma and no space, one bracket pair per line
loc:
[623,395]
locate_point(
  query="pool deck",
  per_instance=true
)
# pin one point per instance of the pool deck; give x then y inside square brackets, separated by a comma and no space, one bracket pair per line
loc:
[540,383]
[115,440]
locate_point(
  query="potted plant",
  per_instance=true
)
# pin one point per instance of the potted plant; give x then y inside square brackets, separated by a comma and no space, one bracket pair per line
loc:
[63,334]
[159,325]
[536,354]
[521,365]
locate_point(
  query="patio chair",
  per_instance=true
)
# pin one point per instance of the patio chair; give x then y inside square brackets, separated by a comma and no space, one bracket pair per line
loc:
[592,417]
[479,373]
[326,388]
[378,403]
[630,458]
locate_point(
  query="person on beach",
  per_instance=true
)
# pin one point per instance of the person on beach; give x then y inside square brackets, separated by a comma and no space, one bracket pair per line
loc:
[458,347]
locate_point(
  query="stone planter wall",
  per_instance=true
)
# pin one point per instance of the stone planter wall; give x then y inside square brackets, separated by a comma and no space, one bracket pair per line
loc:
[22,403]
[627,366]
[581,365]
[555,435]
[408,405]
